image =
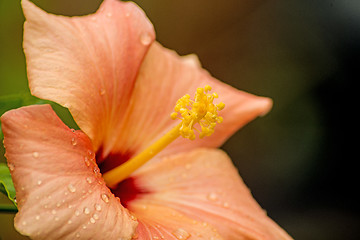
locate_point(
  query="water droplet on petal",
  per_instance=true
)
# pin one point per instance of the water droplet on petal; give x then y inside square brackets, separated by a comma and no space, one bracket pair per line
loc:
[39,182]
[56,218]
[87,161]
[127,14]
[105,197]
[89,180]
[226,204]
[92,220]
[86,210]
[53,211]
[145,38]
[181,234]
[37,217]
[212,196]
[77,235]
[71,188]
[35,154]
[109,14]
[84,226]
[102,92]
[95,216]
[77,213]
[98,207]
[69,222]
[24,223]
[11,166]
[73,130]
[73,141]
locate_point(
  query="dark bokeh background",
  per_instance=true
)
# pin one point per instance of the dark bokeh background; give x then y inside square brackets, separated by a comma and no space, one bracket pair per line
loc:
[299,160]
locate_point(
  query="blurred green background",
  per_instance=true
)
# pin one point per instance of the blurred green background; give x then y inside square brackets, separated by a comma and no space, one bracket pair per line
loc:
[299,160]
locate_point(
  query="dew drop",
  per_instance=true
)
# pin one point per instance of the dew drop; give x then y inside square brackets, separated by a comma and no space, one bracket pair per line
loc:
[56,218]
[71,188]
[181,234]
[53,211]
[35,154]
[212,196]
[24,223]
[87,161]
[84,227]
[69,222]
[145,38]
[92,220]
[93,18]
[86,210]
[226,204]
[39,182]
[98,207]
[77,235]
[109,14]
[11,166]
[77,213]
[37,217]
[105,197]
[89,180]
[95,216]
[127,14]
[73,141]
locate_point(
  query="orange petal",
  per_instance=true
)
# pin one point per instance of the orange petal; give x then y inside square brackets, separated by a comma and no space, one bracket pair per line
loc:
[59,189]
[158,222]
[88,64]
[204,185]
[164,77]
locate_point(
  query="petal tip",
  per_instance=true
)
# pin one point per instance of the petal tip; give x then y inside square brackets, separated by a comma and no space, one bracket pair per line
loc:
[267,104]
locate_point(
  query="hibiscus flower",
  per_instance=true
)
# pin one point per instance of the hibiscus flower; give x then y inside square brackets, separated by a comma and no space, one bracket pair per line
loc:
[121,87]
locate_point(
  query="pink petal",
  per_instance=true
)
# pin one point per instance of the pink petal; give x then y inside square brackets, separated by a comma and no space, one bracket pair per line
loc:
[204,185]
[164,77]
[59,189]
[88,64]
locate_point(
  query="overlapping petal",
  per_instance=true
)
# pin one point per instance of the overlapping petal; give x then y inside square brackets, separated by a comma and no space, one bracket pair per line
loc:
[205,186]
[88,64]
[60,192]
[119,93]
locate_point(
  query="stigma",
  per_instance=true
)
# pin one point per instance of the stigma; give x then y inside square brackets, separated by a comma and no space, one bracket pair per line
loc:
[197,115]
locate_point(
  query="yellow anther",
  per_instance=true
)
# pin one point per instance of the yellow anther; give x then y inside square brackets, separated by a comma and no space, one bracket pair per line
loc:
[220,106]
[207,88]
[173,115]
[200,111]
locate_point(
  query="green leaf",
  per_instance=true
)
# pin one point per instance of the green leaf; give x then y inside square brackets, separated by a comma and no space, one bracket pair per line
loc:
[15,101]
[6,183]
[19,100]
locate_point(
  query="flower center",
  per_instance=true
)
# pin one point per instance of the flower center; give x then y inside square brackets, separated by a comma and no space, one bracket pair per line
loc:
[201,110]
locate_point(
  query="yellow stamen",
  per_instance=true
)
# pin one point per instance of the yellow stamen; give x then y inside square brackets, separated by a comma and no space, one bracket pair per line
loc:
[201,110]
